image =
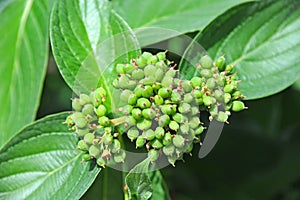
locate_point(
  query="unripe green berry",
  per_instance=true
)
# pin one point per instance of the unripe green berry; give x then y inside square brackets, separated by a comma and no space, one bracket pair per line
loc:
[211,83]
[159,74]
[147,92]
[152,60]
[141,61]
[175,97]
[219,95]
[137,74]
[84,99]
[148,80]
[161,65]
[161,56]
[189,148]
[129,121]
[138,91]
[196,81]
[144,124]
[188,98]
[169,150]
[116,146]
[213,110]
[159,132]
[197,93]
[222,116]
[178,141]
[124,95]
[220,63]
[237,106]
[120,157]
[174,125]
[76,105]
[229,88]
[199,130]
[94,151]
[167,81]
[206,73]
[136,113]
[88,109]
[220,80]
[207,100]
[132,99]
[128,68]
[143,103]
[171,72]
[104,121]
[148,134]
[153,155]
[89,138]
[150,70]
[184,108]
[227,98]
[126,109]
[178,118]
[194,110]
[123,82]
[120,68]
[187,86]
[87,157]
[163,120]
[194,122]
[107,139]
[167,139]
[164,92]
[184,128]
[168,109]
[206,62]
[237,94]
[158,100]
[82,132]
[100,111]
[101,162]
[79,119]
[140,141]
[132,133]
[156,144]
[148,113]
[229,68]
[82,145]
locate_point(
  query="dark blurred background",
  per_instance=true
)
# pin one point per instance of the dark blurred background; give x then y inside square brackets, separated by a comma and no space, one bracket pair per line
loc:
[256,157]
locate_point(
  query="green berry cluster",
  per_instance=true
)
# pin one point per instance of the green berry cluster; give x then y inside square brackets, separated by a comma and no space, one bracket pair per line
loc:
[95,130]
[162,111]
[219,88]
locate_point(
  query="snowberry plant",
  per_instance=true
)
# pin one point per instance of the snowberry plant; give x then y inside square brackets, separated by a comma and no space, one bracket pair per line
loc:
[134,109]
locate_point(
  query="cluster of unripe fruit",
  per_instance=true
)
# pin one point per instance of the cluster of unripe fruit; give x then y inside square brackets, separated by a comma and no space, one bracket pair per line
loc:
[160,111]
[95,130]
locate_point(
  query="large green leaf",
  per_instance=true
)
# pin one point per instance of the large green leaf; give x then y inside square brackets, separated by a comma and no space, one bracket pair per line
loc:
[87,37]
[160,189]
[23,53]
[179,16]
[138,181]
[41,162]
[262,40]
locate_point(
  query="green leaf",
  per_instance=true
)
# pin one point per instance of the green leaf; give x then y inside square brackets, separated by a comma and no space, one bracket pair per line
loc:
[138,181]
[23,52]
[262,40]
[160,189]
[41,162]
[87,37]
[178,16]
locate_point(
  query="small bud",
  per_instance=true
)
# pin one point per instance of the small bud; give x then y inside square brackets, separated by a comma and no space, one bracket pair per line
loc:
[163,120]
[159,132]
[194,122]
[120,157]
[76,105]
[175,97]
[184,128]
[104,121]
[174,125]
[167,139]
[178,141]
[208,100]
[168,109]
[89,138]
[153,155]
[136,113]
[100,111]
[107,139]
[132,99]
[129,121]
[82,132]
[178,118]
[159,74]
[238,106]
[156,144]
[137,74]
[206,73]
[229,68]
[94,151]
[196,81]
[147,92]
[140,141]
[132,134]
[120,68]
[187,86]
[82,145]
[87,157]
[143,103]
[138,91]
[229,88]
[128,68]
[211,83]
[141,61]
[148,134]
[158,100]
[188,98]
[149,113]
[199,130]
[125,95]
[222,117]
[101,162]
[167,81]
[164,92]
[197,94]
[206,62]
[184,108]
[169,150]
[144,124]
[116,146]
[161,56]
[149,70]
[220,63]
[227,98]
[84,99]
[152,60]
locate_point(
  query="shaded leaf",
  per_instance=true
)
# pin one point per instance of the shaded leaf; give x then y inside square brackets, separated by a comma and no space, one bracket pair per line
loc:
[23,52]
[41,162]
[261,39]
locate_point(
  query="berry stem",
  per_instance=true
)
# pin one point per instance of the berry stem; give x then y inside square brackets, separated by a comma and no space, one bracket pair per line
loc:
[117,121]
